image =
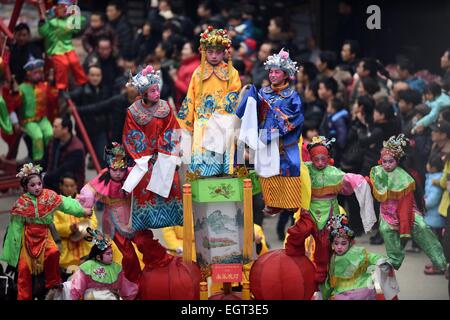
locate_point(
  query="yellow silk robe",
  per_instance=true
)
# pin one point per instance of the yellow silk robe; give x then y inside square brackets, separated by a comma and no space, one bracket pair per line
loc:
[219,94]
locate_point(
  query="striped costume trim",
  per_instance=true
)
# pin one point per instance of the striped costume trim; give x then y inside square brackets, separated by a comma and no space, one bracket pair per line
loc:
[158,215]
[281,192]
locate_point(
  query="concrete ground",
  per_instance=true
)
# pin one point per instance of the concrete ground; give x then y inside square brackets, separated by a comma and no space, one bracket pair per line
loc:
[414,284]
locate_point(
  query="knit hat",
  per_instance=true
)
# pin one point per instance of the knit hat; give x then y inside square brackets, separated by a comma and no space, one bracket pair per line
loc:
[33,64]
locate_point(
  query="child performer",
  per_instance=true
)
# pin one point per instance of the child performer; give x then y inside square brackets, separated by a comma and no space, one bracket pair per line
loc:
[327,182]
[29,244]
[400,218]
[99,278]
[352,268]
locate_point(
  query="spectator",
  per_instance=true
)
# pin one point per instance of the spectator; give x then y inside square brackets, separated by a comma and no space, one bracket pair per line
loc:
[145,42]
[407,100]
[371,87]
[314,108]
[335,125]
[239,29]
[129,65]
[204,12]
[349,55]
[278,32]
[437,101]
[98,29]
[445,66]
[104,58]
[326,64]
[368,67]
[440,135]
[420,142]
[21,50]
[164,53]
[259,72]
[96,125]
[311,53]
[65,153]
[119,23]
[306,76]
[406,70]
[182,77]
[117,107]
[247,54]
[361,122]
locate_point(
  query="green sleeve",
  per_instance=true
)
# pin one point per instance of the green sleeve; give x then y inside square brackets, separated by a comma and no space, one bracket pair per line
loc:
[44,28]
[13,241]
[71,206]
[374,258]
[325,289]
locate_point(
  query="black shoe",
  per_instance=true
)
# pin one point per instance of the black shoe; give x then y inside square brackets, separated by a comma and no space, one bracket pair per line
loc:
[377,239]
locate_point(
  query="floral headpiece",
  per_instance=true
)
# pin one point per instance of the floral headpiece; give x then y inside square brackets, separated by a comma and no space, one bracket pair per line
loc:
[144,79]
[33,63]
[282,61]
[320,141]
[115,156]
[394,146]
[28,169]
[338,227]
[98,239]
[215,38]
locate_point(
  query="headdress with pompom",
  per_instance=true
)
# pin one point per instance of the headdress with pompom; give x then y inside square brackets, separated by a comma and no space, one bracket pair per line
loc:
[214,38]
[144,79]
[115,156]
[29,169]
[282,61]
[395,146]
[338,227]
[98,239]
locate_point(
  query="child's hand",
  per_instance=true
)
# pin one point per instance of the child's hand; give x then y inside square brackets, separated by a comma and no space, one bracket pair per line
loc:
[87,212]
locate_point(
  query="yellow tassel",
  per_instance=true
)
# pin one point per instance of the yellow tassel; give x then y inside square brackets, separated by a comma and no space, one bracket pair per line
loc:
[202,70]
[203,290]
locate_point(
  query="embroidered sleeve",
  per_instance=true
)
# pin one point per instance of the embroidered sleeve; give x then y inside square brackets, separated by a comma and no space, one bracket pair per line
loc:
[286,118]
[134,140]
[185,115]
[169,138]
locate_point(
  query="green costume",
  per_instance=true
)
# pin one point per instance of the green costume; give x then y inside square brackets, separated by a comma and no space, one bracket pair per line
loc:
[400,217]
[350,275]
[328,181]
[36,124]
[5,122]
[32,211]
[60,42]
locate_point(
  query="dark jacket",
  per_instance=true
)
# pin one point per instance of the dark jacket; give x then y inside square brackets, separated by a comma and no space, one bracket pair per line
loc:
[19,57]
[90,37]
[336,126]
[124,34]
[117,107]
[314,113]
[86,95]
[372,140]
[60,159]
[353,155]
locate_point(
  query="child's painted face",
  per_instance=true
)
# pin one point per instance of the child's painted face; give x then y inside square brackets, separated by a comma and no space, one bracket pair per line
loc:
[117,174]
[107,257]
[388,162]
[36,75]
[214,56]
[340,245]
[277,76]
[320,161]
[68,187]
[34,186]
[152,94]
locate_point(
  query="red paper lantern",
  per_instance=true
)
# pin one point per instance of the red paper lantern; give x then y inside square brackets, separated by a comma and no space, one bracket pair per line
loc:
[175,281]
[277,276]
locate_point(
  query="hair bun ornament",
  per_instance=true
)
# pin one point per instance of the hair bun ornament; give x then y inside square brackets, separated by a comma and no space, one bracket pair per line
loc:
[98,238]
[320,141]
[395,145]
[28,169]
[338,227]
